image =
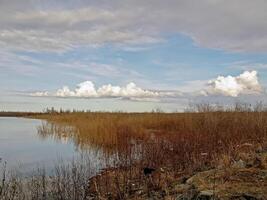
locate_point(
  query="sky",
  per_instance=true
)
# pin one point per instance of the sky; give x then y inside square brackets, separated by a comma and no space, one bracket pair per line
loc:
[131,55]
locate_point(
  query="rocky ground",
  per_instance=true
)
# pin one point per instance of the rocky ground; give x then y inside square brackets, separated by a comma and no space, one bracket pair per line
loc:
[242,179]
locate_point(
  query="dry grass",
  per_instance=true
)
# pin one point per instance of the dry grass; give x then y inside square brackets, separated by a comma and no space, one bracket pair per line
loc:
[180,144]
[67,182]
[180,141]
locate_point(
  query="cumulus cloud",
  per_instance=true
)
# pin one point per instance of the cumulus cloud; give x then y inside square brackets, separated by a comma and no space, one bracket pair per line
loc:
[245,83]
[87,89]
[233,86]
[130,90]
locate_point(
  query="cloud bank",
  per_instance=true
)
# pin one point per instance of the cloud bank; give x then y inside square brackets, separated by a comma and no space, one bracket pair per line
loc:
[233,86]
[238,25]
[87,89]
[245,83]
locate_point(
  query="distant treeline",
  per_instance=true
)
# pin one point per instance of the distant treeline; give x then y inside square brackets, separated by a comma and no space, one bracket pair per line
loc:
[17,114]
[191,108]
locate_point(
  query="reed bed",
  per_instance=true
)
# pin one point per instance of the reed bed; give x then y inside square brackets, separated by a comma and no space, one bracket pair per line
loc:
[180,141]
[179,144]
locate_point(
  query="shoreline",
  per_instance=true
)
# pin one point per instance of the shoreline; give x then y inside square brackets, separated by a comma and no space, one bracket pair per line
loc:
[194,155]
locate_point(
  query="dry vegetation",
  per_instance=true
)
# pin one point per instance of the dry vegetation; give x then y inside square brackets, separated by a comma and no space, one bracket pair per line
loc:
[177,145]
[181,141]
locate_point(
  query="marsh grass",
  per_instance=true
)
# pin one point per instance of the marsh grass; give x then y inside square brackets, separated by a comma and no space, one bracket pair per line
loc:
[180,144]
[180,141]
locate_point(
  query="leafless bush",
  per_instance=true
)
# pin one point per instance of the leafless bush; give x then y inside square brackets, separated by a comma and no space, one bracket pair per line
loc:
[67,181]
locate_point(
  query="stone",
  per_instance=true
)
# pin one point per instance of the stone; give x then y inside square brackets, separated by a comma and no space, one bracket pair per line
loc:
[239,164]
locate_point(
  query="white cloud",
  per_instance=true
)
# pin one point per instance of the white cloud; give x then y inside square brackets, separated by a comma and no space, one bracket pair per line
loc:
[87,89]
[65,91]
[40,94]
[109,90]
[232,86]
[84,89]
[46,25]
[245,83]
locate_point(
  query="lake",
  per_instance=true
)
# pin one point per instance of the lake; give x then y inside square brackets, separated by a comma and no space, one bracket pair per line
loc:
[24,147]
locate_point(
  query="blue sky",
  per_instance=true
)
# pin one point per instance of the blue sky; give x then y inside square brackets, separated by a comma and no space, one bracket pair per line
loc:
[131,55]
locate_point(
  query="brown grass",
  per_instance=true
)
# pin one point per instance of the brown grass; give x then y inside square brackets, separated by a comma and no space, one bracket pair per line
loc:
[180,141]
[180,144]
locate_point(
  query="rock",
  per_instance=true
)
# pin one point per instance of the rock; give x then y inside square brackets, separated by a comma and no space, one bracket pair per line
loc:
[239,164]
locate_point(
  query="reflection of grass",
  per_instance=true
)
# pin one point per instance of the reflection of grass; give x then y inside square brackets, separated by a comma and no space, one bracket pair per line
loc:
[68,182]
[56,131]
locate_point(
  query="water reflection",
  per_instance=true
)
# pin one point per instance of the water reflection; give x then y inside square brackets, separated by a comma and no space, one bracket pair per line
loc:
[113,148]
[63,134]
[27,144]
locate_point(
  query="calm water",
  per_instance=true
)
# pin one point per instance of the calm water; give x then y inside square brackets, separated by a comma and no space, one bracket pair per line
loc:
[23,148]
